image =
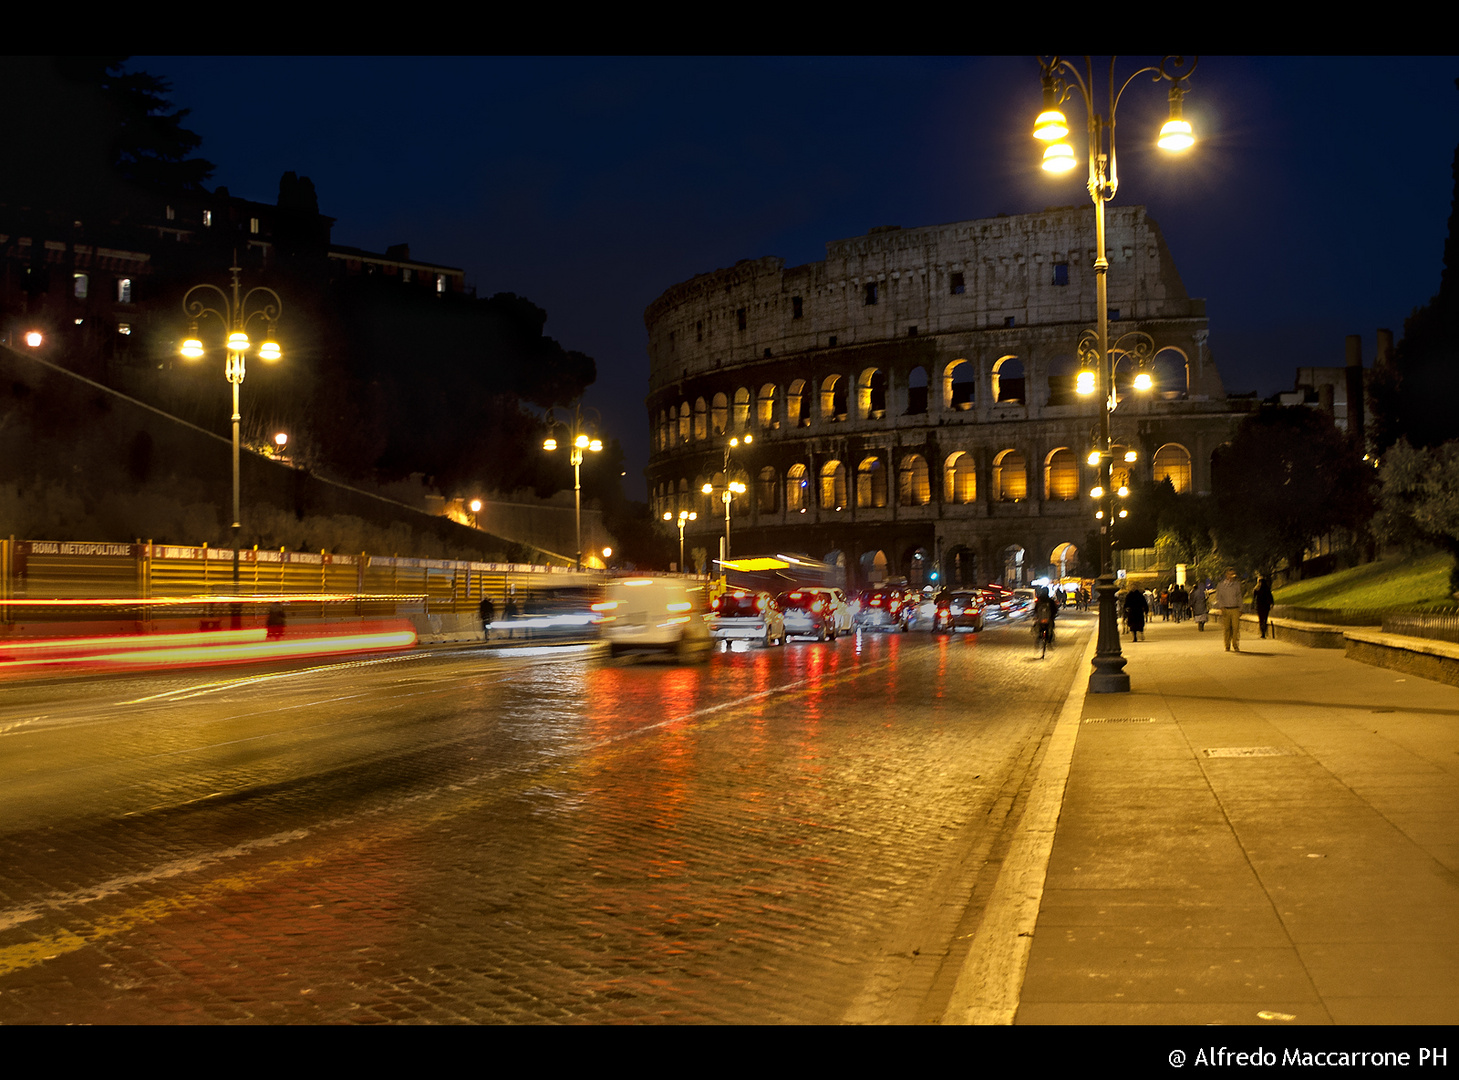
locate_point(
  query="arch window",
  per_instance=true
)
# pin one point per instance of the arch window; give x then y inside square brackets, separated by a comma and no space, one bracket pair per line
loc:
[1061,475]
[1008,381]
[1119,469]
[1010,477]
[796,412]
[797,488]
[914,481]
[765,408]
[871,394]
[1063,373]
[1172,374]
[833,398]
[960,480]
[701,419]
[833,485]
[1174,461]
[917,392]
[768,490]
[871,483]
[685,500]
[719,414]
[742,409]
[958,386]
[684,422]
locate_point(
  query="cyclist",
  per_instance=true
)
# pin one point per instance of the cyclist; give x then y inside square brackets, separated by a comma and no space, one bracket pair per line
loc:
[1044,611]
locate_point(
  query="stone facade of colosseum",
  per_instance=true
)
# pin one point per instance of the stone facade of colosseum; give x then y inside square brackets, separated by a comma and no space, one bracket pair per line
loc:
[911,398]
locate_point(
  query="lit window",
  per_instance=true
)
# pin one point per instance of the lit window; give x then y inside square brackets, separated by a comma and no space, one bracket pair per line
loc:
[80,283]
[253,225]
[208,218]
[441,283]
[171,214]
[405,273]
[124,290]
[124,328]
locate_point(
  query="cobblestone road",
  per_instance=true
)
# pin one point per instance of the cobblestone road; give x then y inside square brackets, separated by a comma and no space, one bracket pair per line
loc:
[796,835]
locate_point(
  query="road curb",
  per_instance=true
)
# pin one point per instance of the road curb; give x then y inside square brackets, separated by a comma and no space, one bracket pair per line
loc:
[988,987]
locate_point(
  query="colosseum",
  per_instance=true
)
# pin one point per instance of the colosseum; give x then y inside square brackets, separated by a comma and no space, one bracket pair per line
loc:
[911,398]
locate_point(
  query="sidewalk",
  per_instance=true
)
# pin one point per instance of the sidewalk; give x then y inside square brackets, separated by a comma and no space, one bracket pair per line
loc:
[1268,836]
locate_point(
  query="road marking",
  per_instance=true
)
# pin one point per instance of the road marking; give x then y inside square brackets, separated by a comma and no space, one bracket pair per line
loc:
[988,987]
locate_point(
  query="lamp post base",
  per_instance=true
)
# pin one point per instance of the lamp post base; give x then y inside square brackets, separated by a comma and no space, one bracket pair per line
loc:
[1108,676]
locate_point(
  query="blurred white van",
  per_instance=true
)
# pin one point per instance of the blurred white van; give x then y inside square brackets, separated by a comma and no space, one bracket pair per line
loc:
[655,615]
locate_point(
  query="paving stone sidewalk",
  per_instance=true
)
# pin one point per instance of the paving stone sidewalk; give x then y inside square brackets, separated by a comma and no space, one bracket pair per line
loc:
[1269,836]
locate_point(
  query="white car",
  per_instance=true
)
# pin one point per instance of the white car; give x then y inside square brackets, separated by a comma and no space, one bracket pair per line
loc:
[839,607]
[659,615]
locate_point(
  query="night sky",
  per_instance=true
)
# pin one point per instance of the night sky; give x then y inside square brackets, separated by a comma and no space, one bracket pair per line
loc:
[1314,205]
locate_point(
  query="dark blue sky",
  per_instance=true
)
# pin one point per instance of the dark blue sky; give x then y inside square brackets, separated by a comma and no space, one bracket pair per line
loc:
[1314,206]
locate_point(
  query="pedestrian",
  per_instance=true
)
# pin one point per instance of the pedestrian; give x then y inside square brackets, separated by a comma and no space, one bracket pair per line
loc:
[488,613]
[1165,604]
[1263,600]
[1228,599]
[1136,608]
[1198,605]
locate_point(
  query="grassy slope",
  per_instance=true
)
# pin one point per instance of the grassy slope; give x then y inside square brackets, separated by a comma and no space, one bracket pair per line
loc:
[1387,583]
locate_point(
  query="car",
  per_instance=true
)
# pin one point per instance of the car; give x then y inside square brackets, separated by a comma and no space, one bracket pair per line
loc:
[886,607]
[997,601]
[1024,598]
[745,615]
[655,615]
[808,613]
[957,610]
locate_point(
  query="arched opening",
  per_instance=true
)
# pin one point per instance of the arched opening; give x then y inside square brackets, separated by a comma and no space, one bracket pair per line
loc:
[796,412]
[838,560]
[960,479]
[766,408]
[914,481]
[797,489]
[1061,475]
[1010,477]
[701,419]
[1008,381]
[833,398]
[1063,375]
[871,484]
[833,486]
[705,504]
[962,568]
[1014,571]
[742,408]
[768,490]
[919,567]
[958,386]
[1064,562]
[871,394]
[685,422]
[1173,461]
[917,392]
[1119,468]
[874,567]
[1171,374]
[685,500]
[719,414]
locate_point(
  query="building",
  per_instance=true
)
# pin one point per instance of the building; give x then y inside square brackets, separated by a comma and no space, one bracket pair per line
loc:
[911,398]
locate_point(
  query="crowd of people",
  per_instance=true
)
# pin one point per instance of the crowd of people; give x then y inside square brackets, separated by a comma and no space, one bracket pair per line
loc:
[1199,601]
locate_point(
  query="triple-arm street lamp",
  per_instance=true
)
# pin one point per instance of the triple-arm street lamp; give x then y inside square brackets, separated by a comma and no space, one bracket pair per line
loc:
[1060,79]
[578,440]
[235,314]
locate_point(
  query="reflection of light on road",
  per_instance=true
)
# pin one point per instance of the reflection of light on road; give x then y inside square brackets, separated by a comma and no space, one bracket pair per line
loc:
[191,650]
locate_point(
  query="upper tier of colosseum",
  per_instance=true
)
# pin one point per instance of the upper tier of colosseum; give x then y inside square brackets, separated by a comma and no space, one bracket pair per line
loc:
[1009,271]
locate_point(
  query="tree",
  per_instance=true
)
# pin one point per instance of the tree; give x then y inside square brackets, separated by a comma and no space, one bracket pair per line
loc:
[1287,477]
[1418,499]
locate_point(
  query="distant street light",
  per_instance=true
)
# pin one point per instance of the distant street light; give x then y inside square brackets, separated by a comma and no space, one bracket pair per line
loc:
[1060,80]
[578,441]
[33,338]
[685,516]
[235,315]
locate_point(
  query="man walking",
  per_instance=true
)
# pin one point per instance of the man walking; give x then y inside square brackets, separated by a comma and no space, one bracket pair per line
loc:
[1228,599]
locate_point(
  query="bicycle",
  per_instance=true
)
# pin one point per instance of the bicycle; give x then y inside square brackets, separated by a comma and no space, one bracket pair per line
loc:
[1043,632]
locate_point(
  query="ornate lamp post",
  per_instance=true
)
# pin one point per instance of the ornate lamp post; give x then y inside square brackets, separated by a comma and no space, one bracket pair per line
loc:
[685,516]
[234,313]
[1060,79]
[578,441]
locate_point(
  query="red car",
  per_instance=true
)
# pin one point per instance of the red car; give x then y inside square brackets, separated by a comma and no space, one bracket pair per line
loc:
[958,610]
[886,607]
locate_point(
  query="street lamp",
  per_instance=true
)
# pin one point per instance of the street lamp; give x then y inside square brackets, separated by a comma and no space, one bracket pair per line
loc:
[685,516]
[475,505]
[235,314]
[1060,79]
[578,440]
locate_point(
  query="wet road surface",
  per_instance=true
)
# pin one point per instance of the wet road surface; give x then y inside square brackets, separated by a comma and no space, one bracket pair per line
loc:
[791,835]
